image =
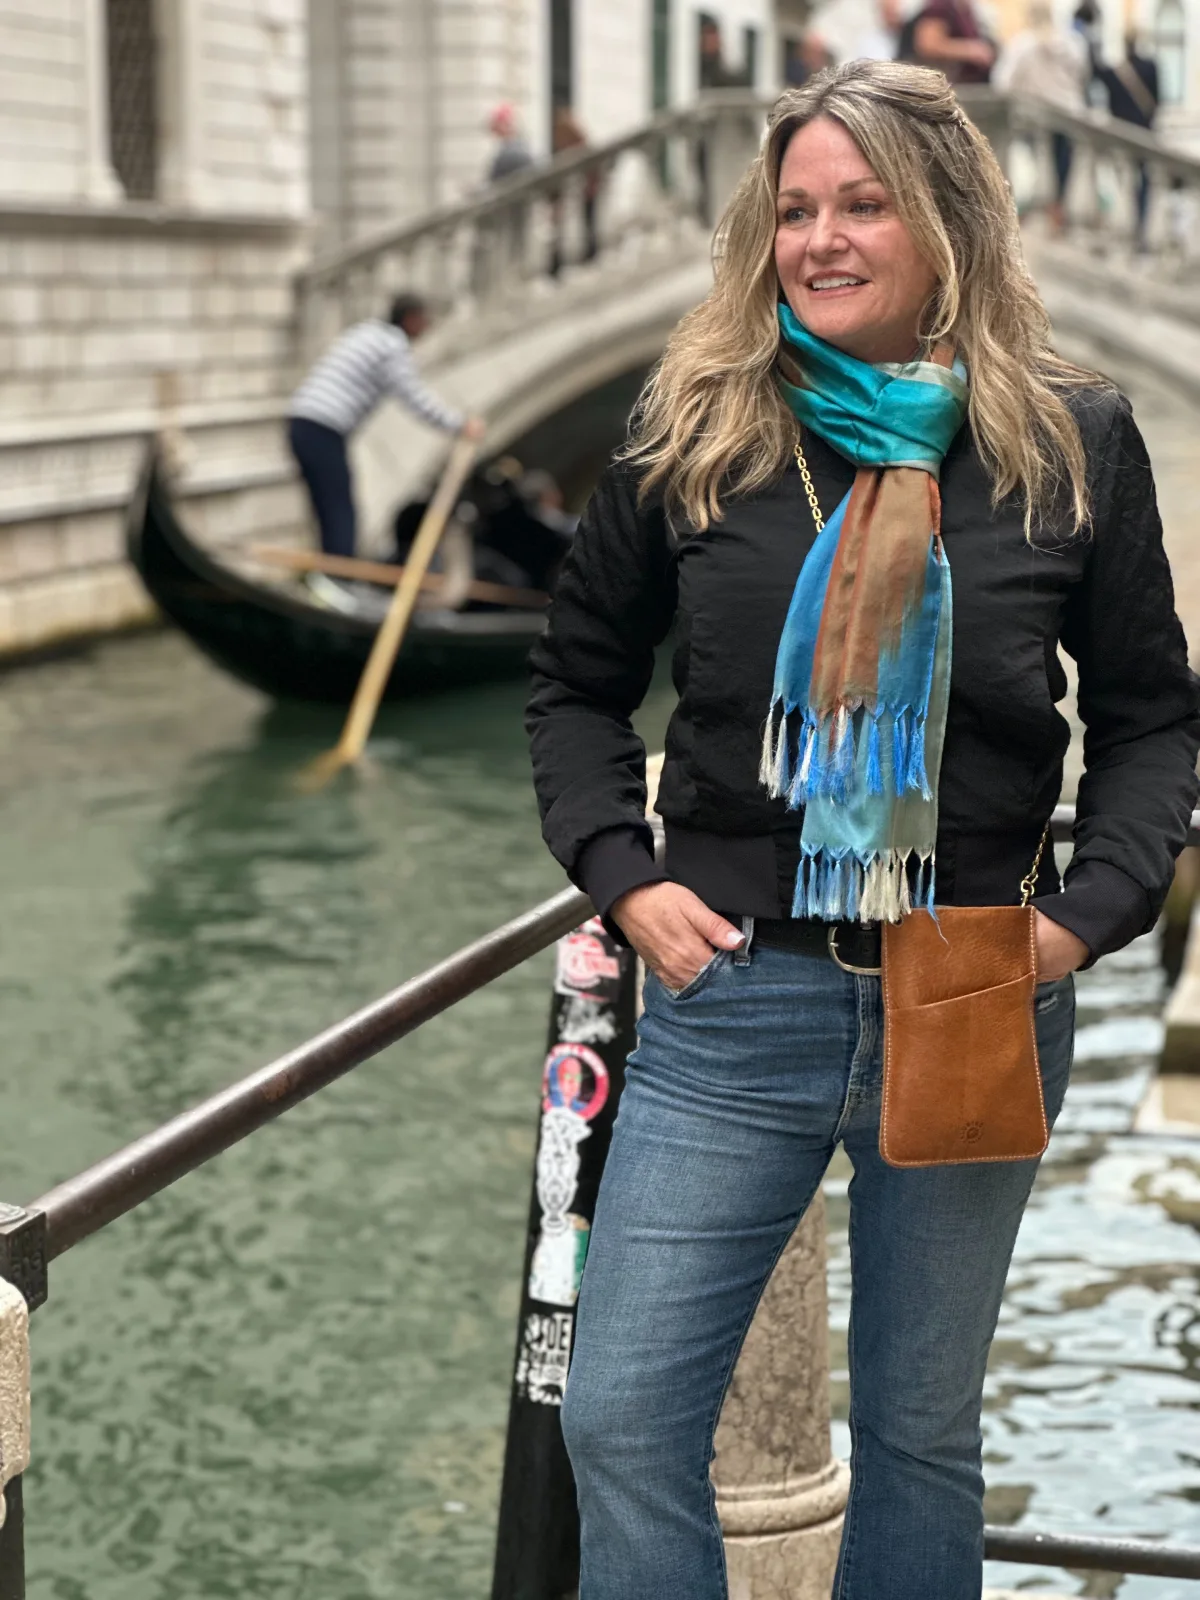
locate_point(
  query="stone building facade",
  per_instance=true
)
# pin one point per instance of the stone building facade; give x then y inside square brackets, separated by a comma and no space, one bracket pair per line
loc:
[153,208]
[167,166]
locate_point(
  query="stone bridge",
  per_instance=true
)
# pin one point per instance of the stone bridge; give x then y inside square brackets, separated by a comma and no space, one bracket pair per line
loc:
[545,305]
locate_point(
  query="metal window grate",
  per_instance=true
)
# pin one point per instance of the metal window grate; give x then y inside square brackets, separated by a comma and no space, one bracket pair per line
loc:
[133,96]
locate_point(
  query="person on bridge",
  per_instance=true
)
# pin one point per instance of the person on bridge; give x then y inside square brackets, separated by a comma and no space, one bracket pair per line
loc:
[948,34]
[1050,64]
[368,363]
[872,502]
[512,153]
[1133,94]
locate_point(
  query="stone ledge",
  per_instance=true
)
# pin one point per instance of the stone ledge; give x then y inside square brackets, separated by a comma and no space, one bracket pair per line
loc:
[190,418]
[132,218]
[43,511]
[1166,344]
[44,614]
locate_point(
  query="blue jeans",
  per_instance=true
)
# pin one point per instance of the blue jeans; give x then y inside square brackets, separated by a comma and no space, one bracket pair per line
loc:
[740,1088]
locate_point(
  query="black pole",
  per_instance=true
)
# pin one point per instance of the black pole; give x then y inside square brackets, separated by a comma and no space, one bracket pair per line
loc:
[12,1544]
[592,1017]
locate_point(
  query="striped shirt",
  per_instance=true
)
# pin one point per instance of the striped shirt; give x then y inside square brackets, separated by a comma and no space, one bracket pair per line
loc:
[369,361]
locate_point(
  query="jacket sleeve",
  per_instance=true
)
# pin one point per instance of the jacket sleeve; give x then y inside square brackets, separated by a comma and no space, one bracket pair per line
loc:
[1138,701]
[613,605]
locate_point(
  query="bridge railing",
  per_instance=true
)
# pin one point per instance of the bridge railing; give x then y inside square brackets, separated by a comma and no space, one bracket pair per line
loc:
[517,251]
[1129,197]
[518,246]
[34,1235]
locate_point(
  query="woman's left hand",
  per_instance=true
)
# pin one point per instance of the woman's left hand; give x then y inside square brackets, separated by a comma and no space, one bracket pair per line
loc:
[1059,951]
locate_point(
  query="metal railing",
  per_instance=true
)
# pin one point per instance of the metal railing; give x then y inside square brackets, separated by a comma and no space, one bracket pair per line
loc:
[34,1235]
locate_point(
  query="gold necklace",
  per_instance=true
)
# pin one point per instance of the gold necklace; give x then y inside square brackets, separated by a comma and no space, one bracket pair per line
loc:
[806,480]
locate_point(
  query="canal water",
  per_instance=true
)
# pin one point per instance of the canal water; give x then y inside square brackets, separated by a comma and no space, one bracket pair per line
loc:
[288,1376]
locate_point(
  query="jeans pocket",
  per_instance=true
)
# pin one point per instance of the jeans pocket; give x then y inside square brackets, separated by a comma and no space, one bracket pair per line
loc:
[694,985]
[1054,1020]
[1049,996]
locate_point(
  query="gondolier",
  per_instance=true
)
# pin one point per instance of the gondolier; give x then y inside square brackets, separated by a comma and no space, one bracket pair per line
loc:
[368,363]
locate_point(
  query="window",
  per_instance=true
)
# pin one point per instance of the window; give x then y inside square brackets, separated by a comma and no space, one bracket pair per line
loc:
[133,96]
[750,56]
[562,74]
[1170,49]
[660,56]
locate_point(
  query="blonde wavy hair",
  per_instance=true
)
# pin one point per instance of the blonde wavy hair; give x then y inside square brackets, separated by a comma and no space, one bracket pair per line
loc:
[711,422]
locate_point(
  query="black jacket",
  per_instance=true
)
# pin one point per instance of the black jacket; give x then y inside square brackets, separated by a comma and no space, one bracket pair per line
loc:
[1105,595]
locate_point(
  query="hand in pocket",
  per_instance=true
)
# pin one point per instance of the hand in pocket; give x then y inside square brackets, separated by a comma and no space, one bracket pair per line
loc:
[672,930]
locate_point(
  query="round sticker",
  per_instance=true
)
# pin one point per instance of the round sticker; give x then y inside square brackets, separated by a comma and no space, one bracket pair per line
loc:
[576,1079]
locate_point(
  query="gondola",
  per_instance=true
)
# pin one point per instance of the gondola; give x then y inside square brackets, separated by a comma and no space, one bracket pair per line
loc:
[276,640]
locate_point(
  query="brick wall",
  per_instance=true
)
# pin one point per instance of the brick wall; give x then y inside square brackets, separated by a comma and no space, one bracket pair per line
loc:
[109,339]
[401,94]
[41,99]
[118,321]
[253,131]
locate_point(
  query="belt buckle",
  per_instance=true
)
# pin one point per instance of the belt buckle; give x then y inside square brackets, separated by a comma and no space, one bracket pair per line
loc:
[846,966]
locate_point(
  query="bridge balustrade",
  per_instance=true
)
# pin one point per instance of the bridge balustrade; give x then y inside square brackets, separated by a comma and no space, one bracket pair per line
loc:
[585,225]
[519,248]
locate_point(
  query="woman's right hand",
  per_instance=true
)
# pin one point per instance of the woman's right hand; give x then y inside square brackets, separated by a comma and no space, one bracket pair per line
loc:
[672,930]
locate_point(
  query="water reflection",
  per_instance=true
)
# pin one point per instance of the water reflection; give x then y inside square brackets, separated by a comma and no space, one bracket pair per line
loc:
[241,876]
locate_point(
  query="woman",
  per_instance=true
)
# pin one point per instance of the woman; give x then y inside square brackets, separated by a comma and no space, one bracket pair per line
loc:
[875,229]
[1053,65]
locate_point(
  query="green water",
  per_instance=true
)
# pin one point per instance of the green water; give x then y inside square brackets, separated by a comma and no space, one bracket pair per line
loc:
[287,1377]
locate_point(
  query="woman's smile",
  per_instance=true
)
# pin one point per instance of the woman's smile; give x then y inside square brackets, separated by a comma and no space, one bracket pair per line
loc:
[827,285]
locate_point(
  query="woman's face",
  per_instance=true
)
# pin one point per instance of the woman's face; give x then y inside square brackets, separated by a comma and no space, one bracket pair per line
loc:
[847,264]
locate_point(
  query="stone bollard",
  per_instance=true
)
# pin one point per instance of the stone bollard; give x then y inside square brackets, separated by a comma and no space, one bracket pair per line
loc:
[780,1492]
[14,1437]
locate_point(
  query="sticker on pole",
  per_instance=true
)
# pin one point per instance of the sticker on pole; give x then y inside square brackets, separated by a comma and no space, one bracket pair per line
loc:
[574,1079]
[544,1357]
[557,1267]
[585,963]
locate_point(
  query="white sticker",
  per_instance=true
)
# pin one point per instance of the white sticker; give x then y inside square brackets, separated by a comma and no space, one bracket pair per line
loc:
[545,1357]
[557,1267]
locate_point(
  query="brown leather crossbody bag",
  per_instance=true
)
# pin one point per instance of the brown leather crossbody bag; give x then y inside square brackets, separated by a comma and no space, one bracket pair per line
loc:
[961,1078]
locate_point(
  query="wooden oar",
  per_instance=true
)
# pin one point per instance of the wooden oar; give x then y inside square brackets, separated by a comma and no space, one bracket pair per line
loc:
[395,624]
[385,572]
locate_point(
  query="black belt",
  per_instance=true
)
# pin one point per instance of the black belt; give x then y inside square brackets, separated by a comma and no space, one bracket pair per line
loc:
[854,946]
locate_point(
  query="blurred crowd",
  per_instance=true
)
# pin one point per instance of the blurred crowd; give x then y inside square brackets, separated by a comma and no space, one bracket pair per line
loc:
[1061,64]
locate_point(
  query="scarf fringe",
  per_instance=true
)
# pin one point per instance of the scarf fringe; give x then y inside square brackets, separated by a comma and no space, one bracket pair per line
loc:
[884,888]
[806,757]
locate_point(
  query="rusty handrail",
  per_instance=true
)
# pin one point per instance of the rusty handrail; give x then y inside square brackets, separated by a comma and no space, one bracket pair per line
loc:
[82,1205]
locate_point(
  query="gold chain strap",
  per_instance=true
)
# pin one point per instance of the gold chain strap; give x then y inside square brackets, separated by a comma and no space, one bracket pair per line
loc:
[1029,881]
[806,480]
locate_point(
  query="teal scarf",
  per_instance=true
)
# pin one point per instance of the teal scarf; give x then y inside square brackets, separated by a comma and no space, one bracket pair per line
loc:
[862,675]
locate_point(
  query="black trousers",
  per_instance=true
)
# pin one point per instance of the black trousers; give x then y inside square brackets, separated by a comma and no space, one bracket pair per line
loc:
[320,454]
